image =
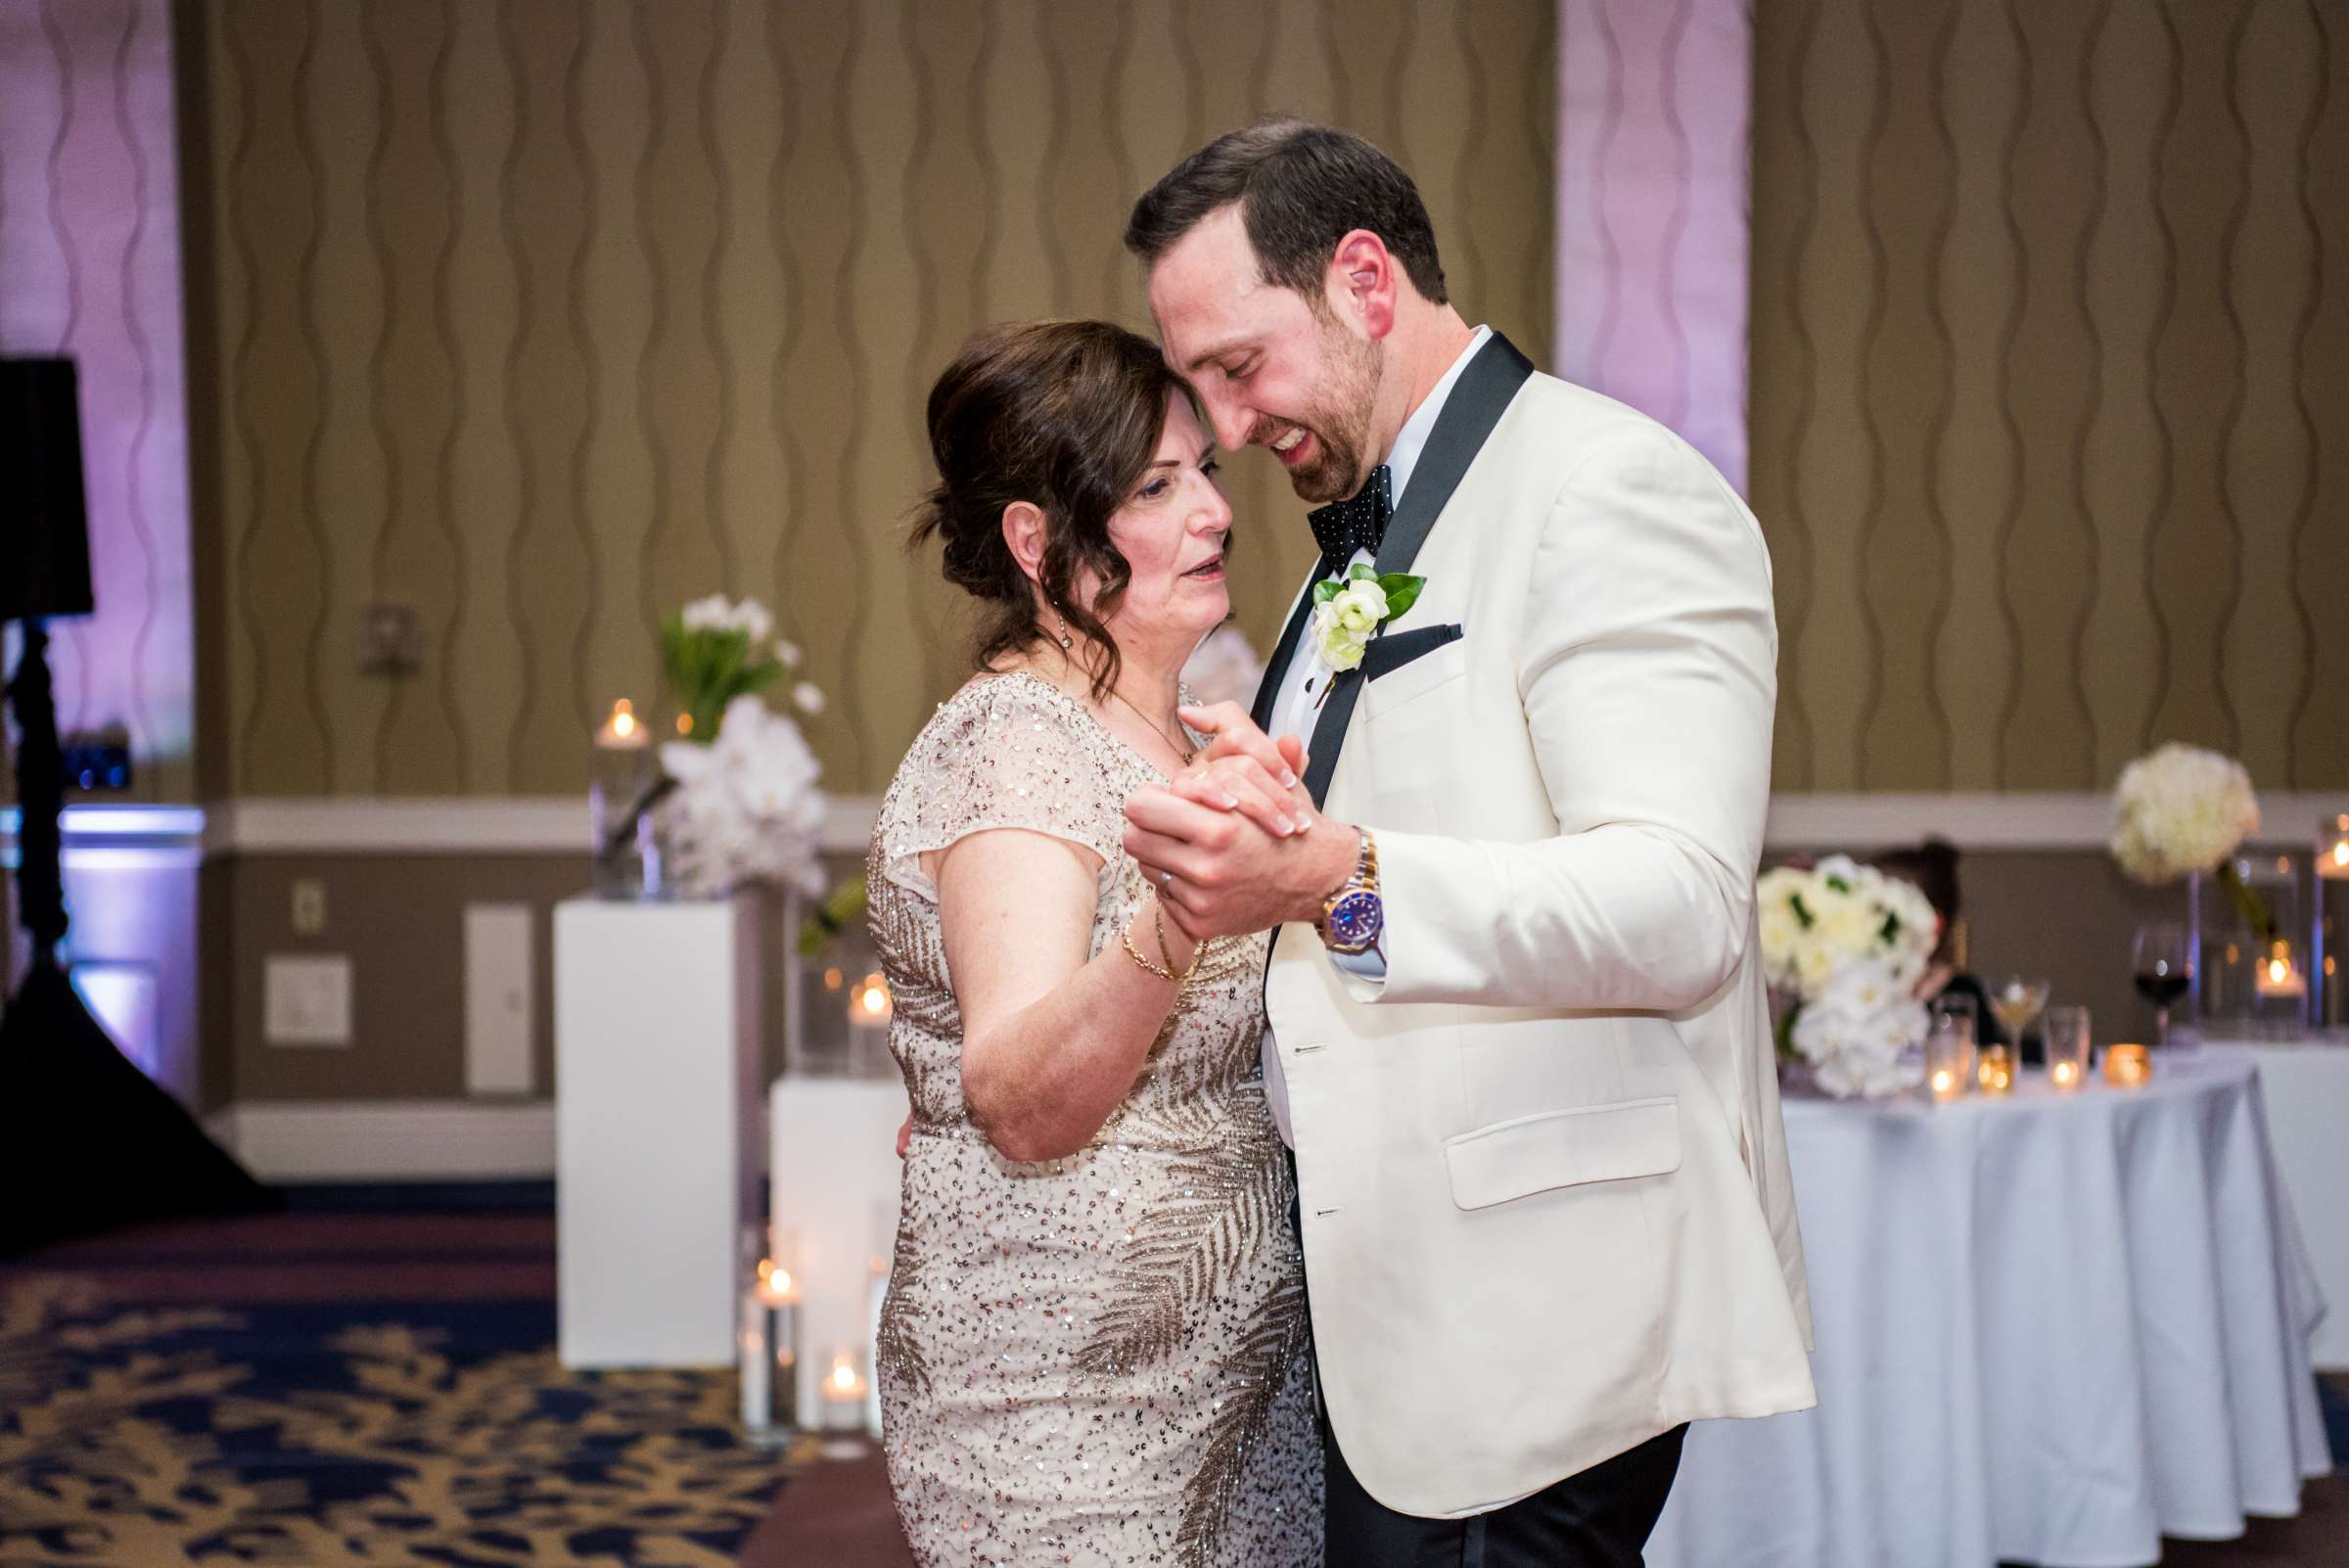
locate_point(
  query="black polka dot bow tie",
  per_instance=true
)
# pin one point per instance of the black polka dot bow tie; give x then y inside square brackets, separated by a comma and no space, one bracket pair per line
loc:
[1361,524]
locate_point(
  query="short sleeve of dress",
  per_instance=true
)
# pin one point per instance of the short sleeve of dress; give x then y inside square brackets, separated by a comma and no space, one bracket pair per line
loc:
[1005,752]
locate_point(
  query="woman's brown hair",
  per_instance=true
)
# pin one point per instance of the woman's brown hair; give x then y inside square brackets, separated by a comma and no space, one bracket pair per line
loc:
[1067,416]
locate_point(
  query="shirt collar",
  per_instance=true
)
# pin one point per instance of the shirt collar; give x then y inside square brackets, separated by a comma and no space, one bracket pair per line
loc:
[1415,430]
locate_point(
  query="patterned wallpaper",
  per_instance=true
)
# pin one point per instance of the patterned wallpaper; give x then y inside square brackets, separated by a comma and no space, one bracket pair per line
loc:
[541,316]
[2051,345]
[89,267]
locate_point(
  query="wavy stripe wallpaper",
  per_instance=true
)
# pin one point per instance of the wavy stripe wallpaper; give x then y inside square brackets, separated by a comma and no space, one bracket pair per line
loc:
[89,267]
[2051,343]
[540,316]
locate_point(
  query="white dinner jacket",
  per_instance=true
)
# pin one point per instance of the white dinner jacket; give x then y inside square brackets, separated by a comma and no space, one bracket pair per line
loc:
[1542,1173]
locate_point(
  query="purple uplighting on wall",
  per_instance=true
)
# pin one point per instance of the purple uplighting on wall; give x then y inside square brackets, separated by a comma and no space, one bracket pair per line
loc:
[1652,170]
[89,266]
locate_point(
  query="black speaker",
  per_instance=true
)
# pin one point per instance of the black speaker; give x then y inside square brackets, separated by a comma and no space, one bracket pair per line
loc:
[44,518]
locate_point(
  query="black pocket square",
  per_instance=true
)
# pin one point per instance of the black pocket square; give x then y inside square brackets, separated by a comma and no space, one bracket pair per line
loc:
[1389,653]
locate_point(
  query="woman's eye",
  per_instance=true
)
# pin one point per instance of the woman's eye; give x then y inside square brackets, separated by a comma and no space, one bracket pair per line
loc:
[1154,490]
[1211,468]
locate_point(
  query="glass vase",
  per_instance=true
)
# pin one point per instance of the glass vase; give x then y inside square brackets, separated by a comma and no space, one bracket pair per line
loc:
[2248,929]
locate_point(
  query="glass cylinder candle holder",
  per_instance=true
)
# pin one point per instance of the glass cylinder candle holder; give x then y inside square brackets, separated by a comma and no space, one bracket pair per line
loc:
[2329,995]
[770,1347]
[621,769]
[2067,1036]
[2128,1066]
[1949,1056]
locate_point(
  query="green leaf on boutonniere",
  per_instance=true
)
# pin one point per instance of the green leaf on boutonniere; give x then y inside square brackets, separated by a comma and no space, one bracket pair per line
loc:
[1362,571]
[1325,590]
[1402,592]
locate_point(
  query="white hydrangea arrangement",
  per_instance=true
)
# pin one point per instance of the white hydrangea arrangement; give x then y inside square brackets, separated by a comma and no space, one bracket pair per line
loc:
[2183,811]
[1845,945]
[738,798]
[2183,808]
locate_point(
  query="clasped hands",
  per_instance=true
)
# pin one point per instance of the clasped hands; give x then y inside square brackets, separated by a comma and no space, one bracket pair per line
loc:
[1236,844]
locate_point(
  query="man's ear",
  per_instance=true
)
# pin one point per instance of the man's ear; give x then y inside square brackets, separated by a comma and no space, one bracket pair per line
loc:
[1023,537]
[1361,282]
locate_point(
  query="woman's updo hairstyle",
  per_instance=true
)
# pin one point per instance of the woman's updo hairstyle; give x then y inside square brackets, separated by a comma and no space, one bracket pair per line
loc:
[1065,415]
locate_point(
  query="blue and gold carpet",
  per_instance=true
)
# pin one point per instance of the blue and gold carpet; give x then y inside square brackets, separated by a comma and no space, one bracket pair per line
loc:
[283,1417]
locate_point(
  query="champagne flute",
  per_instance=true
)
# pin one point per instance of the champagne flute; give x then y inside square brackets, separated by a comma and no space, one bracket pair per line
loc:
[2163,968]
[2017,1003]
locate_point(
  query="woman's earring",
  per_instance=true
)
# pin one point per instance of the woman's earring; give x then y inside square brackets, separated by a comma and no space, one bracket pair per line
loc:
[1066,641]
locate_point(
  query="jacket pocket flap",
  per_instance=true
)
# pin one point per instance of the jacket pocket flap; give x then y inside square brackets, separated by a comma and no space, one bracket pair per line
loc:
[1562,1149]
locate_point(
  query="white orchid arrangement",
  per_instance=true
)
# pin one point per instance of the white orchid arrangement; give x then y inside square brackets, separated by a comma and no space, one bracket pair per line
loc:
[738,789]
[1347,614]
[1845,945]
[2185,811]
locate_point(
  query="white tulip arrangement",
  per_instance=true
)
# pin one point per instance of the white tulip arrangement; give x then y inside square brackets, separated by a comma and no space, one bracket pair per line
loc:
[1845,945]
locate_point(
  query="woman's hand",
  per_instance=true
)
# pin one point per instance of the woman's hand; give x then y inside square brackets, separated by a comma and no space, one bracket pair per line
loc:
[1239,780]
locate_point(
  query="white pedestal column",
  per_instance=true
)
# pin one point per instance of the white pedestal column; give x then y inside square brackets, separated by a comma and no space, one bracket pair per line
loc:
[657,1009]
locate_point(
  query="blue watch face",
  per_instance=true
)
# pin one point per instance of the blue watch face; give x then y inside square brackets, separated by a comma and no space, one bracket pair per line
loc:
[1356,920]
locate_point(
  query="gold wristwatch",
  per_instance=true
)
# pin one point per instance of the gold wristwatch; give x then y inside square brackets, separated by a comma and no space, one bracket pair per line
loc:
[1352,917]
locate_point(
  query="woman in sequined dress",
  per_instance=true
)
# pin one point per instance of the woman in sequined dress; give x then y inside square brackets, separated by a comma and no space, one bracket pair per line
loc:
[1094,1345]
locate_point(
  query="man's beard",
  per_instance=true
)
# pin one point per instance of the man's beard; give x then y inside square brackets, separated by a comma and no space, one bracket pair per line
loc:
[1341,425]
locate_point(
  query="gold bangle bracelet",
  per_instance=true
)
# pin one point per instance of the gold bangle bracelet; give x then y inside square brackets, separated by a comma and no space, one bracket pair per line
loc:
[1158,922]
[1125,936]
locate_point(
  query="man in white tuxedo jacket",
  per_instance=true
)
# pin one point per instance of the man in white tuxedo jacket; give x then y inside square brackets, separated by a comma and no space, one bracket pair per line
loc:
[1517,1031]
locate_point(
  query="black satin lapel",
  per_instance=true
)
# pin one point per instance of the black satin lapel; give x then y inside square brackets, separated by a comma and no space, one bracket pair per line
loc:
[1268,690]
[1478,400]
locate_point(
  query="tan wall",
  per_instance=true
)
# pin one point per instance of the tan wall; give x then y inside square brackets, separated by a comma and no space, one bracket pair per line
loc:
[2051,343]
[543,316]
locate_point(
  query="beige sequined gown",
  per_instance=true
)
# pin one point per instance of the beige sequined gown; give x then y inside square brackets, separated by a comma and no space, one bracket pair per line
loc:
[1100,1360]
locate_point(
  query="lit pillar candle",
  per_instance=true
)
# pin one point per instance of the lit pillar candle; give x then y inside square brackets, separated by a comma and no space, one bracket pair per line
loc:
[2065,1075]
[843,1391]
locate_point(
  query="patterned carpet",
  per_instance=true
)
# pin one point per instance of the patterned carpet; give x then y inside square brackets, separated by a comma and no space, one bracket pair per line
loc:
[288,1419]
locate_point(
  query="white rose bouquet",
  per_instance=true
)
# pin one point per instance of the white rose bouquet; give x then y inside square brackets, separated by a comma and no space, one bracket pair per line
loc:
[2183,811]
[1845,945]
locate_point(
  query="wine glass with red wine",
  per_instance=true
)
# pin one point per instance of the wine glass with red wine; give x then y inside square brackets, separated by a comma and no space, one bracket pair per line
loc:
[2163,967]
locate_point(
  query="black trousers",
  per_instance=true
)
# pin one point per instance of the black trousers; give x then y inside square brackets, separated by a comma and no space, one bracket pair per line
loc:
[1599,1519]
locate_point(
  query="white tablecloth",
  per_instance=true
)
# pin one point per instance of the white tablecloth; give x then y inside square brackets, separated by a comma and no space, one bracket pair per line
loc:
[2305,1085]
[2050,1329]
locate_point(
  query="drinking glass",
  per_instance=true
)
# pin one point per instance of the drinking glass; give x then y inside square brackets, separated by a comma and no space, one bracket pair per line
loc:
[2163,967]
[2067,1045]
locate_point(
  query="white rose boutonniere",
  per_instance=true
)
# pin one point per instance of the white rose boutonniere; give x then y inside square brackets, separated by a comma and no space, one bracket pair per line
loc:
[1347,614]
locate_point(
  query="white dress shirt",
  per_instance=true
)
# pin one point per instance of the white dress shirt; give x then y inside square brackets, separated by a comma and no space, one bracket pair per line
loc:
[1296,706]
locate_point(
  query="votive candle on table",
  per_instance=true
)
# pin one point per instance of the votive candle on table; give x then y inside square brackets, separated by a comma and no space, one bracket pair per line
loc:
[1949,1056]
[2279,976]
[1996,1070]
[2128,1066]
[2067,1040]
[2332,848]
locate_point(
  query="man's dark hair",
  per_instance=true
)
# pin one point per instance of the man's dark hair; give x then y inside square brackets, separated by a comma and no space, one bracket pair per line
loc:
[1302,188]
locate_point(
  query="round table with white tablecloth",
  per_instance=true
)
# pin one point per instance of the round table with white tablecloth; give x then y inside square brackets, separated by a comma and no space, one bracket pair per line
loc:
[2051,1328]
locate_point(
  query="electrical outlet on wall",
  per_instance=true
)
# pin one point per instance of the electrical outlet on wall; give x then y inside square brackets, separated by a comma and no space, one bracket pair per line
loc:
[309,907]
[305,1001]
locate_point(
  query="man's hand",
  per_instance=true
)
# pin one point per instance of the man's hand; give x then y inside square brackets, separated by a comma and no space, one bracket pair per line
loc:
[1231,874]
